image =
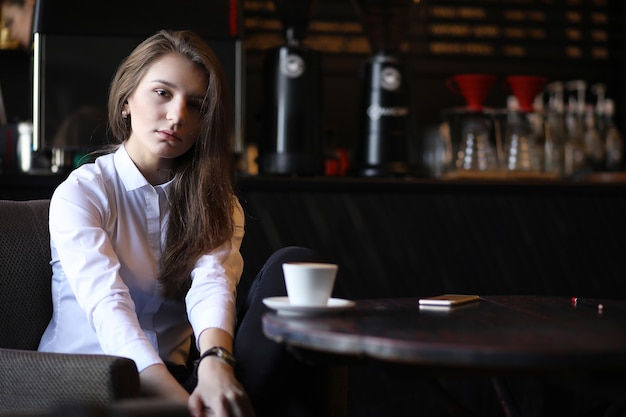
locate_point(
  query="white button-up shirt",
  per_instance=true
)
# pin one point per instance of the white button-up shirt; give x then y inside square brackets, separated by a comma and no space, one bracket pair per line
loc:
[107,230]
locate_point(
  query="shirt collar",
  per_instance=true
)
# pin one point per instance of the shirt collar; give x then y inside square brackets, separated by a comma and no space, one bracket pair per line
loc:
[130,175]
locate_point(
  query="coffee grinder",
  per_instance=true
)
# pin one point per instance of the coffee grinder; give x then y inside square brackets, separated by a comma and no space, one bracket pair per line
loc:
[381,148]
[291,142]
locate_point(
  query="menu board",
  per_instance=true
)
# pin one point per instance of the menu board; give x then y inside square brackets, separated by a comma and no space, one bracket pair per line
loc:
[552,30]
[545,29]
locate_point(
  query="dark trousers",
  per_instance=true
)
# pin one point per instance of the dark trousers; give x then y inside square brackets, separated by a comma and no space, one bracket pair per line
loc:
[277,382]
[279,385]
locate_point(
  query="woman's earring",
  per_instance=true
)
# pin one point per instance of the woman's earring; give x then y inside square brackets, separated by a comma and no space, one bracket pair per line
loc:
[124,114]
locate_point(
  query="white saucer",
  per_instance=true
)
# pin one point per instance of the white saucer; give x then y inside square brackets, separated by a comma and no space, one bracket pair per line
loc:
[282,306]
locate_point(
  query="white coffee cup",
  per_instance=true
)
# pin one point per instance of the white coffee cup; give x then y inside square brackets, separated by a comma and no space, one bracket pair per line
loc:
[309,284]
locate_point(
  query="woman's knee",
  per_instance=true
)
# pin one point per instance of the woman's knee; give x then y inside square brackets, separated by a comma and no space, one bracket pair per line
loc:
[272,269]
[292,254]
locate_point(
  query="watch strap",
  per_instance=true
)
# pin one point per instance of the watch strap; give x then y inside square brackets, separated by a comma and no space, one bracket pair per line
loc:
[219,352]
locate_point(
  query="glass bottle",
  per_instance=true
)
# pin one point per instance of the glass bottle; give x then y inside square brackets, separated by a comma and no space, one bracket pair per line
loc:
[575,158]
[594,143]
[520,142]
[613,140]
[554,146]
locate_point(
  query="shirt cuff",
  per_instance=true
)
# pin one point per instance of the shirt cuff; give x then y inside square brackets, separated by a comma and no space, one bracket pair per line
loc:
[143,356]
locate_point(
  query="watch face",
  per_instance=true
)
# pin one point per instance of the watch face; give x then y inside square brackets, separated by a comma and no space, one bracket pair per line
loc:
[221,353]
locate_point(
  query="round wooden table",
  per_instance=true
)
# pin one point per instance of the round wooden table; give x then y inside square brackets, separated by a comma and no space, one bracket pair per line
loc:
[500,335]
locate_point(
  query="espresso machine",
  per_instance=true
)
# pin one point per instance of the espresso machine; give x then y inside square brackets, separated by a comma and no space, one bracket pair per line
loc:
[385,117]
[291,142]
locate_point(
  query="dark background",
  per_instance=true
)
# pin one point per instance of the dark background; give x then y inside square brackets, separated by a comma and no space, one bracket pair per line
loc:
[412,238]
[561,40]
[558,39]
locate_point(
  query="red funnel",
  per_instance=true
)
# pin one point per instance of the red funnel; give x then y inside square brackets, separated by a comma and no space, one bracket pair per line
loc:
[526,88]
[473,87]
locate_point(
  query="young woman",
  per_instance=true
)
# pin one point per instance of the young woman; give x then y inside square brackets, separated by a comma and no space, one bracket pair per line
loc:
[145,240]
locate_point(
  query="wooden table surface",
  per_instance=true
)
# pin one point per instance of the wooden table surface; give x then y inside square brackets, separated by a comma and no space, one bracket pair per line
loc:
[505,333]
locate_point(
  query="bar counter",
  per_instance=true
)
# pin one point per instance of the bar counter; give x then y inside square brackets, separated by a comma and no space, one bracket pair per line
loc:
[417,237]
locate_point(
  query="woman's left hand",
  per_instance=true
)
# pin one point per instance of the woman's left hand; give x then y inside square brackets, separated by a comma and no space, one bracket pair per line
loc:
[218,392]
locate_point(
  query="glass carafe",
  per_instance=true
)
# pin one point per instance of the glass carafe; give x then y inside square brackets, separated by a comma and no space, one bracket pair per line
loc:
[476,151]
[521,143]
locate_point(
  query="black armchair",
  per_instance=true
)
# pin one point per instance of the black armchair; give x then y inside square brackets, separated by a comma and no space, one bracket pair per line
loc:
[32,380]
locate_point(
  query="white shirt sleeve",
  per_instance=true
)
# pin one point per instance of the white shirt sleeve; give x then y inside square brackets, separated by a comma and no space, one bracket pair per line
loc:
[211,299]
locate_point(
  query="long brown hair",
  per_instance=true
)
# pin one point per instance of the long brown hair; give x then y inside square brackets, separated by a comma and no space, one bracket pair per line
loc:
[202,198]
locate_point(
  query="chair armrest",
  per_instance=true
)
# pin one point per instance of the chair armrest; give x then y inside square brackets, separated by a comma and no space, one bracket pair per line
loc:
[134,407]
[37,380]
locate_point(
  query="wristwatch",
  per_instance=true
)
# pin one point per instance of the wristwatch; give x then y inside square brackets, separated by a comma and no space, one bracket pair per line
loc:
[221,353]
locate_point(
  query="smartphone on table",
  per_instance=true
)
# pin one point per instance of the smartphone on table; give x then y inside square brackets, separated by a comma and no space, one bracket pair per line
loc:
[448,300]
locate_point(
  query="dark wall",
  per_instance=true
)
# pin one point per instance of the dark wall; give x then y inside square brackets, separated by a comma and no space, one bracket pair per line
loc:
[15,82]
[397,238]
[335,30]
[415,238]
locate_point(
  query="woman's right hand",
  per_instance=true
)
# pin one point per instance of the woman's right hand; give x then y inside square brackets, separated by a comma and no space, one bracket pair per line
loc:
[218,392]
[157,381]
